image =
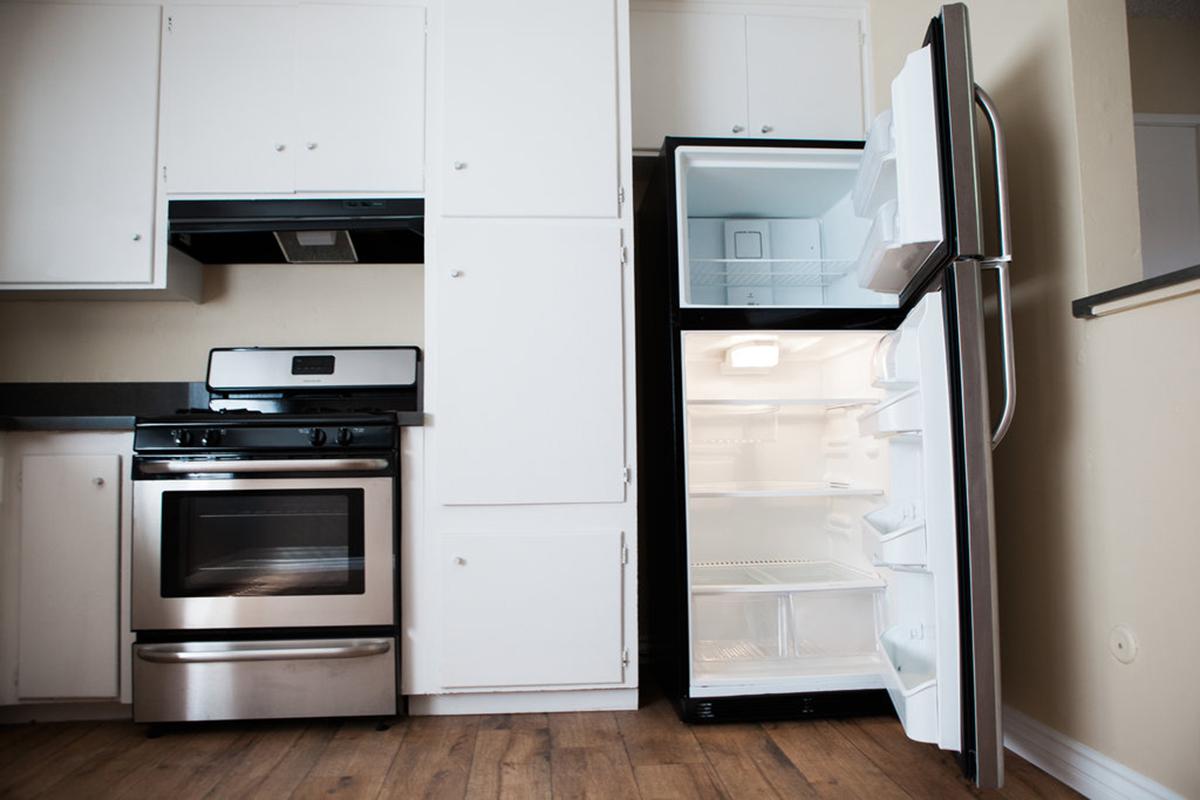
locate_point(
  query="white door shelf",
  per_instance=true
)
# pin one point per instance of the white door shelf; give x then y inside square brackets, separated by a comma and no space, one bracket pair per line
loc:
[897,415]
[911,682]
[779,577]
[780,489]
[894,537]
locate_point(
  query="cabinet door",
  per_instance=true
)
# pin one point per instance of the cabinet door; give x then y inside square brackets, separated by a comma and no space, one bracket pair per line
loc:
[79,93]
[530,397]
[805,77]
[70,576]
[530,109]
[228,111]
[689,75]
[360,78]
[532,609]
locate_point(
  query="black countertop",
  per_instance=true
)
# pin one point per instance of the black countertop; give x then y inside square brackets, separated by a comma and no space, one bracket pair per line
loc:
[104,406]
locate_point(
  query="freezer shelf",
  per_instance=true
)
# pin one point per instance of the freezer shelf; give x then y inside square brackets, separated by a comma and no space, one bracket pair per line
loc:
[780,489]
[768,272]
[779,577]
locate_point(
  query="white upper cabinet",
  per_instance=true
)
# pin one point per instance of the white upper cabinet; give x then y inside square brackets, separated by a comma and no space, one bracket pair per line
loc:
[228,99]
[78,137]
[781,71]
[530,379]
[281,99]
[805,78]
[530,107]
[360,98]
[689,74]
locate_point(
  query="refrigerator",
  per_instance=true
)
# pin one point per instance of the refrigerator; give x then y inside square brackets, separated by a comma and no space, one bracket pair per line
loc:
[815,424]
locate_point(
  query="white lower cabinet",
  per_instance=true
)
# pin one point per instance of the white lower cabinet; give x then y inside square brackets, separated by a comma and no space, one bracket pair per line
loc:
[64,632]
[533,609]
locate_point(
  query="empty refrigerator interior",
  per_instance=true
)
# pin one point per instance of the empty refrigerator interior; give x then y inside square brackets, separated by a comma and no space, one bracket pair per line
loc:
[820,515]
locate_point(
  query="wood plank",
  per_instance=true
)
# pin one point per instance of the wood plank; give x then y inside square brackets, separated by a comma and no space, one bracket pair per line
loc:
[511,758]
[434,760]
[38,741]
[584,729]
[1024,780]
[270,743]
[185,764]
[655,735]
[678,782]
[355,762]
[285,775]
[920,769]
[40,775]
[829,762]
[598,771]
[749,764]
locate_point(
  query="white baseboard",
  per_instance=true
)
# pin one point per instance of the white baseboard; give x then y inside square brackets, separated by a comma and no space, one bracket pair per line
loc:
[1085,770]
[432,705]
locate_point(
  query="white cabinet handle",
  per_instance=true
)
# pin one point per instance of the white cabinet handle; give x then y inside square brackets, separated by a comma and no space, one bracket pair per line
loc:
[456,273]
[460,560]
[767,128]
[460,165]
[279,148]
[738,128]
[98,481]
[311,145]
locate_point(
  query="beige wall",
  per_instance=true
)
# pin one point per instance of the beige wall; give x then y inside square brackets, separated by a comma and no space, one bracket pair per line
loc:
[1164,60]
[1096,517]
[242,305]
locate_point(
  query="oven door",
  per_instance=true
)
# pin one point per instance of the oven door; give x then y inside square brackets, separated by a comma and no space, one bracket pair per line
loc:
[228,552]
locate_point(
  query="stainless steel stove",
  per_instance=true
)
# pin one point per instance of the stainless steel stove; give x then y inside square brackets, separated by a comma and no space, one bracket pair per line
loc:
[265,538]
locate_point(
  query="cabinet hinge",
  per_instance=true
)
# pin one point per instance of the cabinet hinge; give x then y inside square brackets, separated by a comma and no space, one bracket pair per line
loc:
[627,474]
[624,251]
[164,173]
[170,24]
[621,195]
[625,657]
[624,554]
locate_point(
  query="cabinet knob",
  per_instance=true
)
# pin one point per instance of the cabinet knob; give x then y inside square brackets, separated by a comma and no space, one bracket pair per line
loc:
[460,165]
[311,145]
[768,128]
[137,237]
[456,273]
[738,128]
[98,481]
[279,148]
[460,561]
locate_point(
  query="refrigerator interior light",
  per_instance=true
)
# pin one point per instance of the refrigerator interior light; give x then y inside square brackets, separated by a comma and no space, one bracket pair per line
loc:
[753,355]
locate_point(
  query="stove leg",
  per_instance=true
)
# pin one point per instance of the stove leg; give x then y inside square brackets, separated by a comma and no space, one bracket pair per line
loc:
[382,725]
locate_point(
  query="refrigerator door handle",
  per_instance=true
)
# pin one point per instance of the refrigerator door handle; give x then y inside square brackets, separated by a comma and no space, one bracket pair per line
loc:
[1001,263]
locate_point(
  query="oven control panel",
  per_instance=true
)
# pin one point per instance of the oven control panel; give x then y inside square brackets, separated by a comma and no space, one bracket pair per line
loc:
[337,435]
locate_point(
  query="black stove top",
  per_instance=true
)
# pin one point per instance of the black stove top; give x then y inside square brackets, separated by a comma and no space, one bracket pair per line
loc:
[200,431]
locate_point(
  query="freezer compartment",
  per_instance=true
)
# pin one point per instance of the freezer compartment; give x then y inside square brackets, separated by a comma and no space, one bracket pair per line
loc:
[194,681]
[785,641]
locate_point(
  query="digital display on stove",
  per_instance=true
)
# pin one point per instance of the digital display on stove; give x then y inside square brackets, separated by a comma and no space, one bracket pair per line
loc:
[312,365]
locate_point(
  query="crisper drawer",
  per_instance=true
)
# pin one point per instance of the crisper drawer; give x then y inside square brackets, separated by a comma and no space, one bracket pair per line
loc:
[193,681]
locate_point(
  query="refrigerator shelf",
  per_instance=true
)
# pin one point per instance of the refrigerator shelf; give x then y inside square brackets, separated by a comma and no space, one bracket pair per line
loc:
[779,577]
[733,404]
[768,272]
[715,678]
[780,489]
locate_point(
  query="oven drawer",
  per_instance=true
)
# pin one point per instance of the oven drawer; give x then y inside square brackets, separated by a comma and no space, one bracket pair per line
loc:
[193,681]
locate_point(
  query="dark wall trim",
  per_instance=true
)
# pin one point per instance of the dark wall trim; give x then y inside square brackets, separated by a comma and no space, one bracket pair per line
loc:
[1085,307]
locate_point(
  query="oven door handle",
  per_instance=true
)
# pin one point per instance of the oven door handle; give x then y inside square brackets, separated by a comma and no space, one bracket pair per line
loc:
[217,465]
[262,651]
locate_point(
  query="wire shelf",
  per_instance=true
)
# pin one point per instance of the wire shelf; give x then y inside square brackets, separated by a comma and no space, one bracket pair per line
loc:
[767,272]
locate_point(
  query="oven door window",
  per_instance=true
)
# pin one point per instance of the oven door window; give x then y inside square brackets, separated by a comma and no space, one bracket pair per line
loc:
[262,543]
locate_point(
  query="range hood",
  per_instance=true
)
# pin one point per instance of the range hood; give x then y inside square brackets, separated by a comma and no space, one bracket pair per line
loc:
[365,231]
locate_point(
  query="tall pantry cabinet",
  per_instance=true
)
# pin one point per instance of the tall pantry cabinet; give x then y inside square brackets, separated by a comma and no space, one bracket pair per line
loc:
[525,593]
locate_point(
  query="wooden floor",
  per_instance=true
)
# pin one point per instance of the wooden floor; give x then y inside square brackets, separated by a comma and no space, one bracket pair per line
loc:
[635,754]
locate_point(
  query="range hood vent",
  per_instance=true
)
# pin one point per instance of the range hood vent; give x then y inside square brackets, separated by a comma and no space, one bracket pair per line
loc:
[365,231]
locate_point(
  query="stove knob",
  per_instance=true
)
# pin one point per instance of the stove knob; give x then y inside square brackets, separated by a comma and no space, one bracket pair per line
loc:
[317,437]
[211,437]
[344,436]
[181,436]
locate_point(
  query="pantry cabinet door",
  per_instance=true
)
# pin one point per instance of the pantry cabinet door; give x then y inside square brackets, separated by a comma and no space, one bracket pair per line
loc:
[529,364]
[530,107]
[78,134]
[361,118]
[532,609]
[805,77]
[228,106]
[689,75]
[70,576]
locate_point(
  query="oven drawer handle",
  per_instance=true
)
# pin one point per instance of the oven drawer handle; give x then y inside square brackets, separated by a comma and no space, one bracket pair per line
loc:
[216,465]
[175,654]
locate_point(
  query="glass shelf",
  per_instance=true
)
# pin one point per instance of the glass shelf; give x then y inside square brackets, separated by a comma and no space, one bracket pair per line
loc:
[780,489]
[779,577]
[768,272]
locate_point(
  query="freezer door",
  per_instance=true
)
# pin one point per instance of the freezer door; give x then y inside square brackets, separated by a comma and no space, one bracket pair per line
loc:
[919,177]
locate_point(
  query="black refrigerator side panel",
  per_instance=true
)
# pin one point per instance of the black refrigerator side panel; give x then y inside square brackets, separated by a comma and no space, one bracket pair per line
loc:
[660,476]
